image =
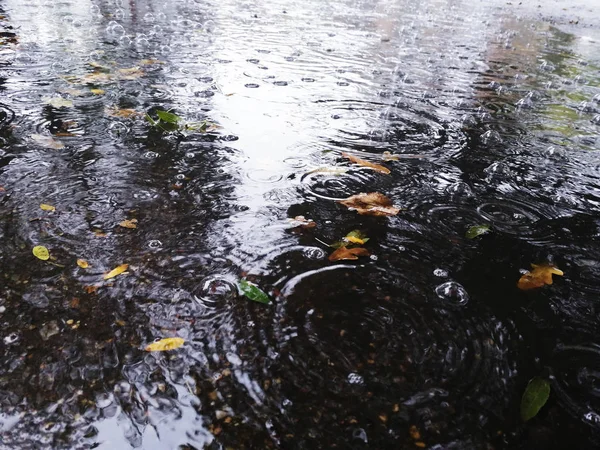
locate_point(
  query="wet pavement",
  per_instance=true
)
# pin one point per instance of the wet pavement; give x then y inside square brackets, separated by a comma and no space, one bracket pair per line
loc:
[485,114]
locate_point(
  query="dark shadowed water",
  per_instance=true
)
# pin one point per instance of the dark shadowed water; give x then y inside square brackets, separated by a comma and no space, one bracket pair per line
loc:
[492,110]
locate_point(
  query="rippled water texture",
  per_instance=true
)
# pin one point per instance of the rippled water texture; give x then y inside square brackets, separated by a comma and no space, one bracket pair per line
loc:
[491,113]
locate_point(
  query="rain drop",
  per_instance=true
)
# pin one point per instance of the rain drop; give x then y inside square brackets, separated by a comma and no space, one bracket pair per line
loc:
[452,292]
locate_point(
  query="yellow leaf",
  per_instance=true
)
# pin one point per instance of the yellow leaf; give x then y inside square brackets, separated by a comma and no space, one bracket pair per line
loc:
[129,223]
[165,344]
[58,102]
[371,204]
[83,263]
[97,91]
[348,253]
[116,271]
[46,207]
[41,252]
[354,240]
[538,277]
[362,162]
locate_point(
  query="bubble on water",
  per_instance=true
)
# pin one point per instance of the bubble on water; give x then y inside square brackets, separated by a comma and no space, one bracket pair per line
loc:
[359,433]
[115,28]
[11,338]
[491,137]
[251,85]
[440,273]
[154,244]
[125,41]
[497,170]
[214,290]
[149,18]
[459,189]
[555,153]
[150,155]
[355,378]
[373,257]
[117,129]
[452,292]
[313,253]
[95,10]
[401,248]
[209,26]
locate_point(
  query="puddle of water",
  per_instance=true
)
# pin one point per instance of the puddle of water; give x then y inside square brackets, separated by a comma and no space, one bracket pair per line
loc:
[490,114]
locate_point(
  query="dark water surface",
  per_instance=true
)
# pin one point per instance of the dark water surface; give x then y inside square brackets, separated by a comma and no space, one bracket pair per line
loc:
[494,112]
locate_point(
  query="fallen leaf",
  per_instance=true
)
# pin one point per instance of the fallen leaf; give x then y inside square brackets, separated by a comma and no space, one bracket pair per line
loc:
[165,344]
[167,116]
[83,263]
[129,223]
[47,141]
[534,398]
[356,237]
[348,253]
[147,62]
[58,102]
[98,91]
[253,292]
[329,170]
[132,73]
[95,78]
[98,66]
[362,162]
[116,271]
[371,204]
[302,222]
[41,252]
[477,230]
[90,289]
[122,113]
[46,207]
[538,277]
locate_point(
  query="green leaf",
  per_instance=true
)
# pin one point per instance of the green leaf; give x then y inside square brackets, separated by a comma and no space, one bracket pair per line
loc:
[534,398]
[253,292]
[168,117]
[477,230]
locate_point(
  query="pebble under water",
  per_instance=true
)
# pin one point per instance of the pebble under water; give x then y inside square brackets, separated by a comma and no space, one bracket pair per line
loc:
[486,114]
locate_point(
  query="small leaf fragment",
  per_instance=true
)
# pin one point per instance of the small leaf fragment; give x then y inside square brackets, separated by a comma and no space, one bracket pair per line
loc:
[534,398]
[165,344]
[98,91]
[253,292]
[477,230]
[46,207]
[41,252]
[361,162]
[538,277]
[371,204]
[132,224]
[344,253]
[116,271]
[83,263]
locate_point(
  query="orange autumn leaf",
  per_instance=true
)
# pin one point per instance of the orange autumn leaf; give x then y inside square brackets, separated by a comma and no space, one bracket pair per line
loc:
[356,160]
[538,277]
[348,253]
[83,263]
[129,223]
[124,113]
[116,271]
[165,344]
[371,204]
